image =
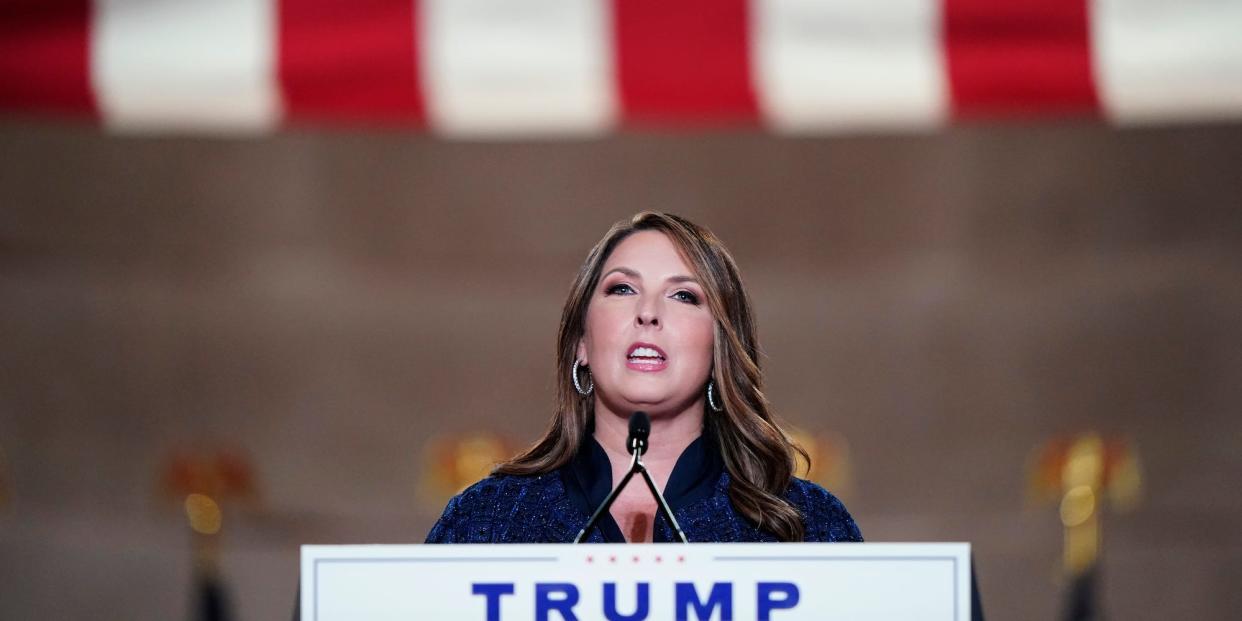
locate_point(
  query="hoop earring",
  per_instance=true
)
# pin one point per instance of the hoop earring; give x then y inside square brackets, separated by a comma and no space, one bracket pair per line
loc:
[578,385]
[711,403]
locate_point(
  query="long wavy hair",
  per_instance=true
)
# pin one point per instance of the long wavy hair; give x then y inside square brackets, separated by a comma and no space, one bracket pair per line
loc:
[758,455]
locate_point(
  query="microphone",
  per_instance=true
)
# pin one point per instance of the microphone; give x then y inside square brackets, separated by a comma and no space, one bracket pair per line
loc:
[640,429]
[636,444]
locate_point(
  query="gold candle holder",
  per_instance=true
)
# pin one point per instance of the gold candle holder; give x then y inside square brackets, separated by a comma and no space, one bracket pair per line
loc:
[202,482]
[453,462]
[1082,475]
[830,464]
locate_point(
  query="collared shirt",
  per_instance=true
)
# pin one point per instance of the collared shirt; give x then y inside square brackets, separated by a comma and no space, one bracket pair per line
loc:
[554,506]
[588,481]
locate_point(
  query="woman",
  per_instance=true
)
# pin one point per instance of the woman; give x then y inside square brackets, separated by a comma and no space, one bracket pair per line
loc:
[657,320]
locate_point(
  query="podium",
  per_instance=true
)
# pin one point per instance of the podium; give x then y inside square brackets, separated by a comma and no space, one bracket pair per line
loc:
[636,582]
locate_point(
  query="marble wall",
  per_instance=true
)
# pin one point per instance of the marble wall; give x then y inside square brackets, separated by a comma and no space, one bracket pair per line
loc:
[327,301]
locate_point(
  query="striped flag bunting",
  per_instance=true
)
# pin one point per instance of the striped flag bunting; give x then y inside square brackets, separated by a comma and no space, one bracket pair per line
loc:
[500,68]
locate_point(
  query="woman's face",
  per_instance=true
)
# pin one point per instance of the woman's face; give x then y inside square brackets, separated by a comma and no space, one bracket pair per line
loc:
[649,331]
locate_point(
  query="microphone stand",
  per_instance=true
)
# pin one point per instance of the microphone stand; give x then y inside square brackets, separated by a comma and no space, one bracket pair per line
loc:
[637,447]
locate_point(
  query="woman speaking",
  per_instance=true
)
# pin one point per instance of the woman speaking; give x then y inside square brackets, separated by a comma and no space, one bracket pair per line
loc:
[656,321]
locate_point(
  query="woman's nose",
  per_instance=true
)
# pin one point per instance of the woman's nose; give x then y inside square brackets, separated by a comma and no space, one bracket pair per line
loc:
[647,315]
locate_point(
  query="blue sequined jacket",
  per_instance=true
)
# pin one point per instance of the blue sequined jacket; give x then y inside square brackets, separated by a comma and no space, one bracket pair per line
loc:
[553,507]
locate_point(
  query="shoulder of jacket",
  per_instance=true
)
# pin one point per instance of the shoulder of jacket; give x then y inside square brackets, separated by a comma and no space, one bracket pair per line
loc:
[824,514]
[804,491]
[473,515]
[496,489]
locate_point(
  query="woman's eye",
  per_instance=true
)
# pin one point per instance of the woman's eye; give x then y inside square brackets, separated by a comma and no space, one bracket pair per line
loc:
[687,297]
[619,288]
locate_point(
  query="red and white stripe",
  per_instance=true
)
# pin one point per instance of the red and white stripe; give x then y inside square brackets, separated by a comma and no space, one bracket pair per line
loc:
[500,66]
[495,68]
[349,61]
[191,63]
[827,64]
[1157,61]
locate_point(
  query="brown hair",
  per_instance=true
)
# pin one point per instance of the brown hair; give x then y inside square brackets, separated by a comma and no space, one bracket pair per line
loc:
[757,454]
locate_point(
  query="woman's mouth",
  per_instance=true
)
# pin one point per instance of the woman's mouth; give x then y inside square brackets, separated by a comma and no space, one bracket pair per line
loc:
[646,357]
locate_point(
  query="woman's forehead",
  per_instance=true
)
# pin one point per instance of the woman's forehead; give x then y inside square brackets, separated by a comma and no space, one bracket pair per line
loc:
[650,254]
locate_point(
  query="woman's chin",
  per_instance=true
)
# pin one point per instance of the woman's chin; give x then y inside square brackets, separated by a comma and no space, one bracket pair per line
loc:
[654,404]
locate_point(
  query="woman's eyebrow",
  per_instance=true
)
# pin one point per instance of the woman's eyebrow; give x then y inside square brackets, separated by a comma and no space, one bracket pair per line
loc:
[624,270]
[635,275]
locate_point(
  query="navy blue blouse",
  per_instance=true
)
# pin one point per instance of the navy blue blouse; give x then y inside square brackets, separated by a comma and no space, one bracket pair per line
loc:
[553,507]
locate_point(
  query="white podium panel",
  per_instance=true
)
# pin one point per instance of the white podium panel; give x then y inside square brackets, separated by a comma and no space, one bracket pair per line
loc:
[560,582]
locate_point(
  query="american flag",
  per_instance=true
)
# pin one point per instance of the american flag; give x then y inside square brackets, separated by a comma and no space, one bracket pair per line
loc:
[496,68]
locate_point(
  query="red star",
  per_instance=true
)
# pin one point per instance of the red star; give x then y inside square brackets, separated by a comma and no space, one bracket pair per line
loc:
[635,559]
[612,559]
[590,559]
[659,560]
[681,559]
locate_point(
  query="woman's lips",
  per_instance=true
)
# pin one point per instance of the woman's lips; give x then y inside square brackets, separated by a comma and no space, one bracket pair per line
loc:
[647,365]
[646,357]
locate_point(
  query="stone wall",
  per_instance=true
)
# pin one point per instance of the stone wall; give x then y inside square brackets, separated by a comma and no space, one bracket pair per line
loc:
[327,301]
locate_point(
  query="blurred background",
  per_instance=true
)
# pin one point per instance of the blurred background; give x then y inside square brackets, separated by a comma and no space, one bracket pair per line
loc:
[288,272]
